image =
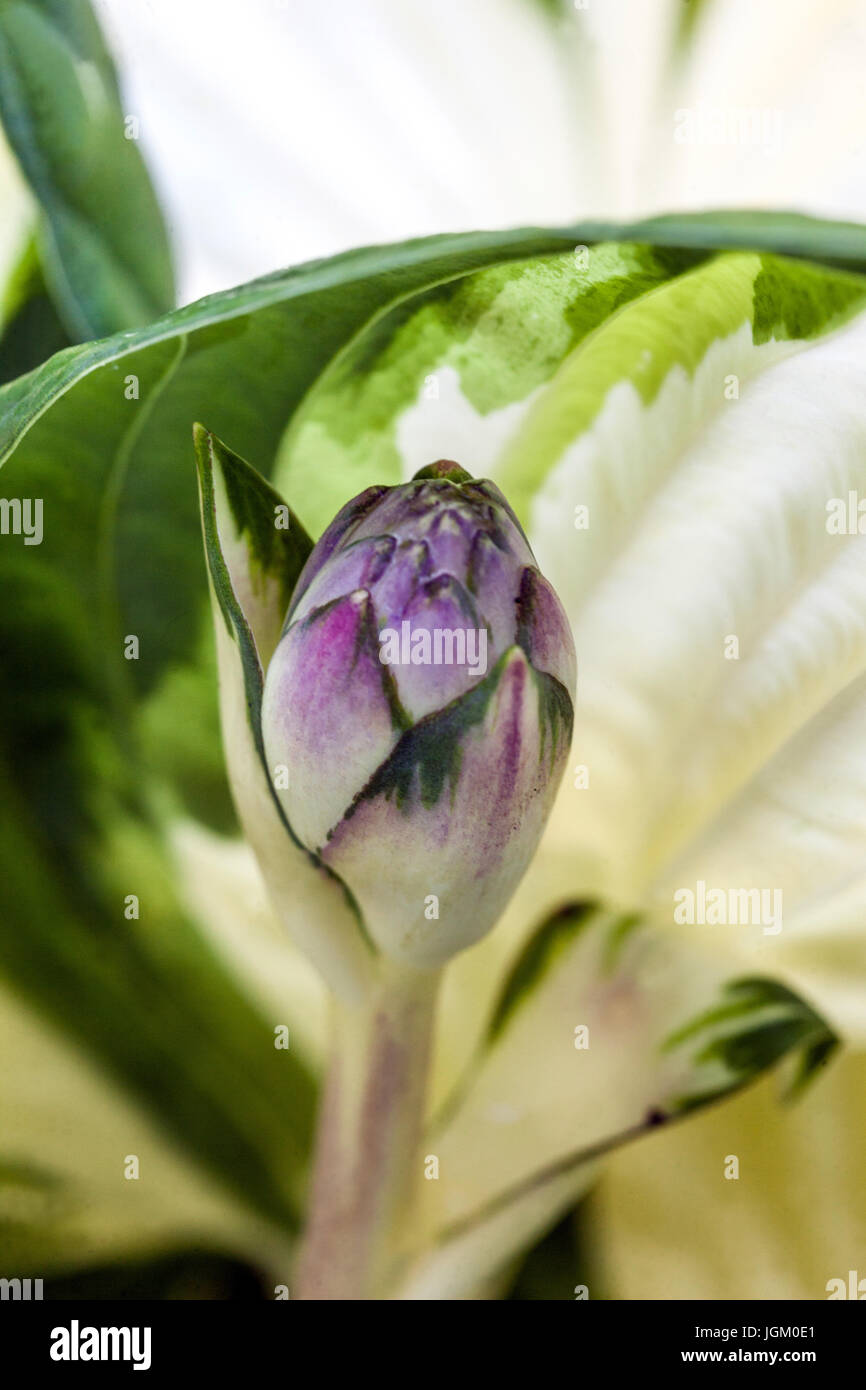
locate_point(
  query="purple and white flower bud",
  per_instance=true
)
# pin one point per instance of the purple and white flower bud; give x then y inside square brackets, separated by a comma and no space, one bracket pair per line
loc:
[421,698]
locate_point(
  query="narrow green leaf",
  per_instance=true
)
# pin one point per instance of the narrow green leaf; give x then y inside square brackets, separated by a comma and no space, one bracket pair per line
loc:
[103,244]
[756,1023]
[539,955]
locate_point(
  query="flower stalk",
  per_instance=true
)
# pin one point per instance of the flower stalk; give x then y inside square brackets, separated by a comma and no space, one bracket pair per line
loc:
[367,1160]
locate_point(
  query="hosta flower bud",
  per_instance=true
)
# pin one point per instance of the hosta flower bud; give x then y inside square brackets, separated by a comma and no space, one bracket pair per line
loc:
[420,700]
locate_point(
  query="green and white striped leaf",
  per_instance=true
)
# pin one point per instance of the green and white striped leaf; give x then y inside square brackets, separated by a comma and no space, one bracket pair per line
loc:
[452,372]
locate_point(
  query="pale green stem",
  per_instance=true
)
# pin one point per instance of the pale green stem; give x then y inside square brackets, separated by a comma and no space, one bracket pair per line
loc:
[367,1159]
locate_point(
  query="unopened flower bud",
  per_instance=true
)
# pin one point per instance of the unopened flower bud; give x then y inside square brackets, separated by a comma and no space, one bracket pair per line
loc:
[421,698]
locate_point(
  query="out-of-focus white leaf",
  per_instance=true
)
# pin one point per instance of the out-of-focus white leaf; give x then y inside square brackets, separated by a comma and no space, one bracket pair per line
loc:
[69,1134]
[669,1224]
[604,1030]
[738,766]
[340,125]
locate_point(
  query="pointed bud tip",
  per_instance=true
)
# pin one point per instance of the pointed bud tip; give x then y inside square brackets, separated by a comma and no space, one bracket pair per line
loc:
[443,469]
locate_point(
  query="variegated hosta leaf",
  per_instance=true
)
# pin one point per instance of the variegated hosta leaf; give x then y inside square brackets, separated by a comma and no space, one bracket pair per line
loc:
[255,550]
[674,462]
[721,627]
[604,1030]
[101,433]
[450,374]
